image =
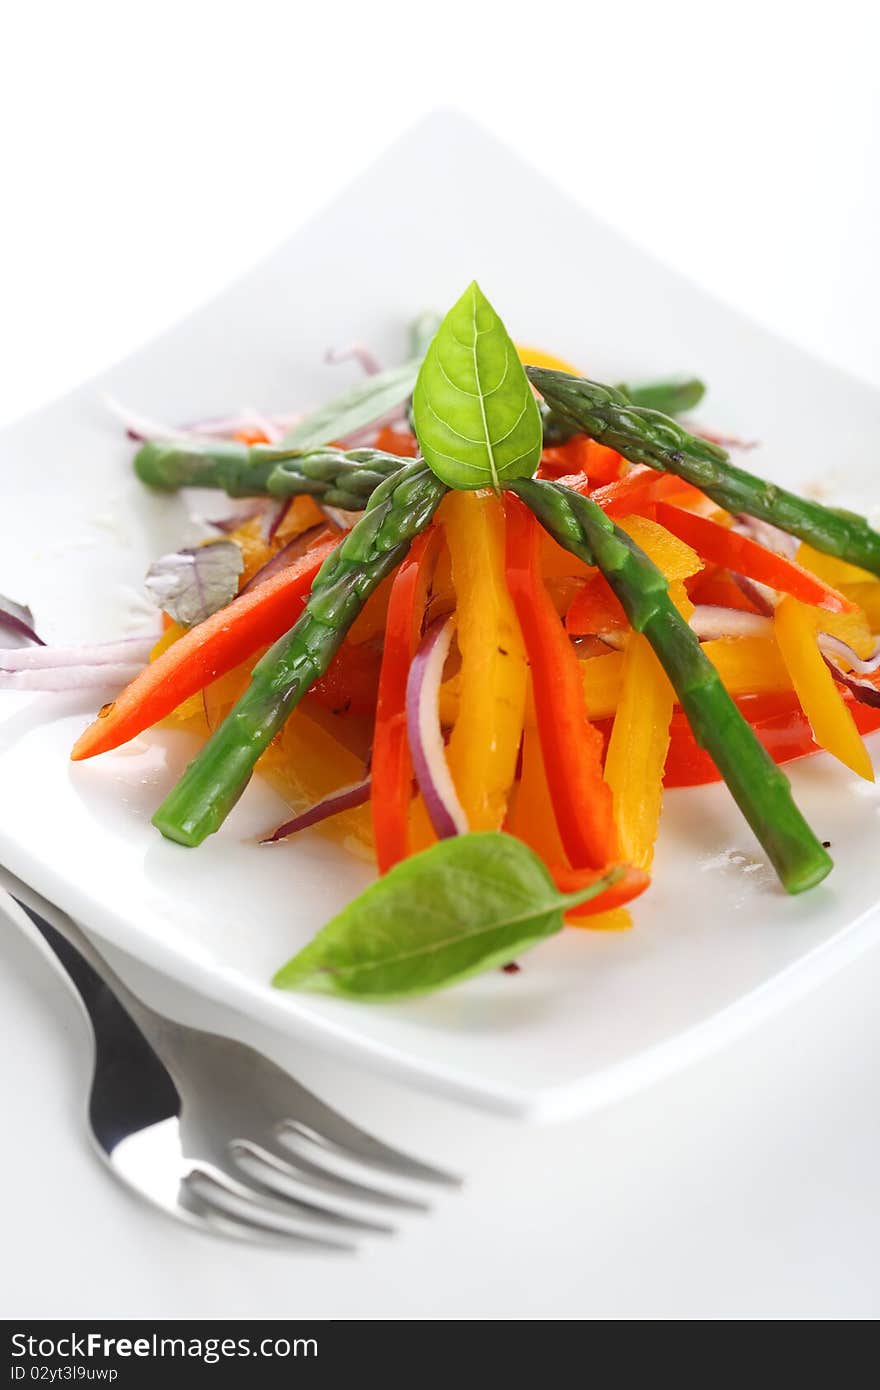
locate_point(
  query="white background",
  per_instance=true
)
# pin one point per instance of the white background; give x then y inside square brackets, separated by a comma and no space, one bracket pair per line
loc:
[149,154]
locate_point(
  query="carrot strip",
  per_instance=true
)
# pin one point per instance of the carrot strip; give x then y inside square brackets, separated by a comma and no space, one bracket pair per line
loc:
[207,651]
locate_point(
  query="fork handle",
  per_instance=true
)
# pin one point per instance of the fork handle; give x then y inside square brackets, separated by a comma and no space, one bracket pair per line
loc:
[86,968]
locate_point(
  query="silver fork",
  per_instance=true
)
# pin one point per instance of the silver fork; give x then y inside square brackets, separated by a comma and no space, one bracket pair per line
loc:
[211,1131]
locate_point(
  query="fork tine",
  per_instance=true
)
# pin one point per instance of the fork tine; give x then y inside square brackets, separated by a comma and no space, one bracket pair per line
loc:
[339,1135]
[278,1158]
[227,1206]
[278,1189]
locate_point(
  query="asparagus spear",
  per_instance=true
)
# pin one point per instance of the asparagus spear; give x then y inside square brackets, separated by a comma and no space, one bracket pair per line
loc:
[760,788]
[338,478]
[399,509]
[672,397]
[646,436]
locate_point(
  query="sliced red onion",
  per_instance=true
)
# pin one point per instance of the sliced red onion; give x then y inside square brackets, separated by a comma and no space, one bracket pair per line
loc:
[344,800]
[761,596]
[338,517]
[225,427]
[255,419]
[143,428]
[128,651]
[864,690]
[766,534]
[614,637]
[227,524]
[285,556]
[272,516]
[833,646]
[18,620]
[354,352]
[57,678]
[711,621]
[425,734]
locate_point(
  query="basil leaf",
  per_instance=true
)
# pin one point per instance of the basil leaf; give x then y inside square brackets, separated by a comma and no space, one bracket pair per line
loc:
[475,415]
[17,624]
[465,905]
[189,585]
[359,406]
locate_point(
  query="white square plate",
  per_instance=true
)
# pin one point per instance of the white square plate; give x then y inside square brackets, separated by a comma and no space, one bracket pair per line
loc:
[716,942]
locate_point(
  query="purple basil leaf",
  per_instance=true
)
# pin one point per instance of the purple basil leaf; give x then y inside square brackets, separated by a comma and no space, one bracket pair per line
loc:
[17,622]
[189,585]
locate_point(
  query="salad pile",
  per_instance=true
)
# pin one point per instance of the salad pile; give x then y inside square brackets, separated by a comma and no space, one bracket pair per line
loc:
[472,618]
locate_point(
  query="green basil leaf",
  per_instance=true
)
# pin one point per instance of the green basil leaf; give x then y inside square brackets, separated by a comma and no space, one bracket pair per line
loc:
[359,406]
[467,904]
[475,415]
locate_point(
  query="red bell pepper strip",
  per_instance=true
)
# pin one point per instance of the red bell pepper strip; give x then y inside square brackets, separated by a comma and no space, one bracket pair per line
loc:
[633,882]
[745,556]
[582,455]
[391,768]
[571,747]
[715,586]
[351,682]
[595,608]
[217,645]
[778,721]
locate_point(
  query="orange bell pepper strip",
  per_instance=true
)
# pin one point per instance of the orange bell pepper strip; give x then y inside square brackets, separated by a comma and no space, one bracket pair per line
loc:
[829,715]
[745,556]
[484,744]
[571,747]
[391,769]
[209,650]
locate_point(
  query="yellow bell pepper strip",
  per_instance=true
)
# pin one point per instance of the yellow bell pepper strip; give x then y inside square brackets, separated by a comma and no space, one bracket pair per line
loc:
[746,665]
[749,665]
[602,677]
[305,764]
[637,751]
[831,721]
[672,556]
[536,357]
[483,749]
[571,747]
[640,736]
[837,573]
[867,597]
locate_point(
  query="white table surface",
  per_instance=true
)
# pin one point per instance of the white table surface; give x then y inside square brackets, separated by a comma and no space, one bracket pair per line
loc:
[745,1187]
